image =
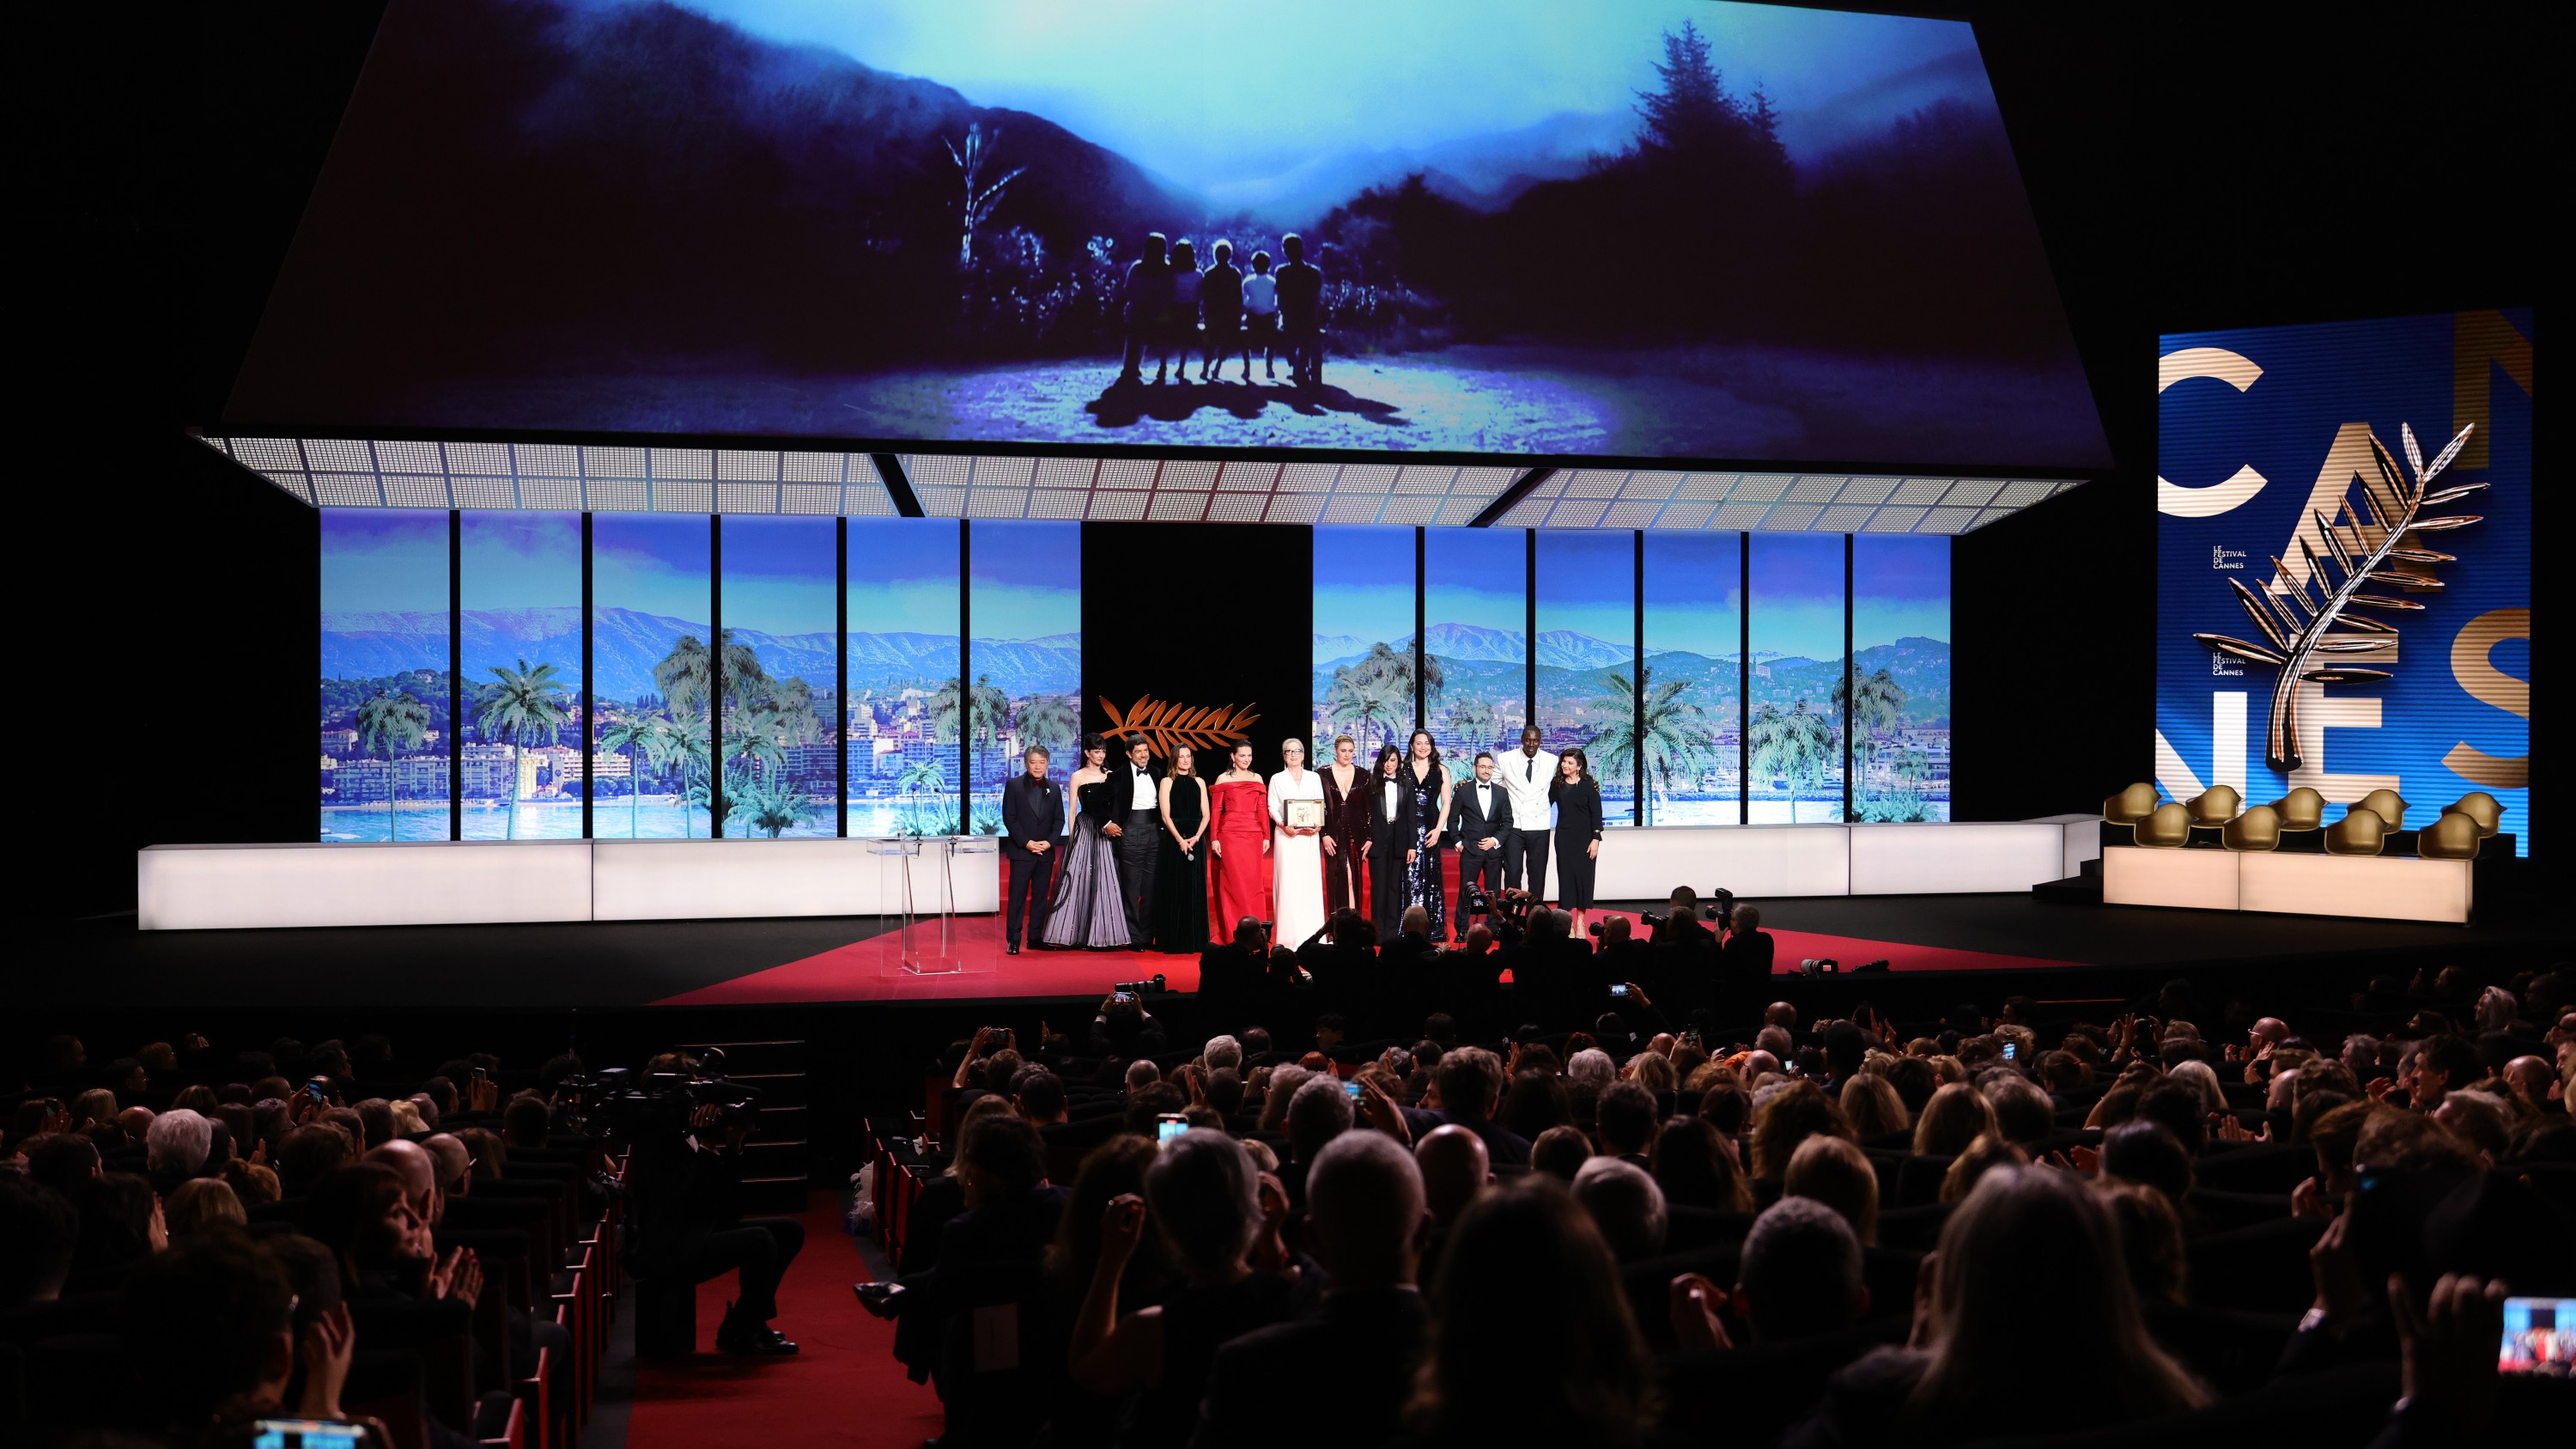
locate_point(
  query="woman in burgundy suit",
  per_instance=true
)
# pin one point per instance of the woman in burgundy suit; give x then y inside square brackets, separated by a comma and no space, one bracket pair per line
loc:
[1346,830]
[1239,839]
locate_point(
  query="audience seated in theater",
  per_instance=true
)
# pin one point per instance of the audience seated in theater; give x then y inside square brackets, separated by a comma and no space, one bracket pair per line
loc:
[1521,1256]
[1346,1371]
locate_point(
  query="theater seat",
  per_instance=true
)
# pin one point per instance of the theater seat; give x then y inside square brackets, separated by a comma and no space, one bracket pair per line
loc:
[2481,807]
[2259,828]
[2168,825]
[2261,1269]
[2360,832]
[2216,805]
[2131,805]
[2302,810]
[2453,837]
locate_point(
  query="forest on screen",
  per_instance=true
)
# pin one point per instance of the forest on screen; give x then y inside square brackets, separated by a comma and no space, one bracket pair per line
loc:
[560,187]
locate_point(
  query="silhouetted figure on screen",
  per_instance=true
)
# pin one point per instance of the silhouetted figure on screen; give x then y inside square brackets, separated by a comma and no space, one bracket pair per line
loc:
[1221,303]
[1149,305]
[1301,313]
[1261,318]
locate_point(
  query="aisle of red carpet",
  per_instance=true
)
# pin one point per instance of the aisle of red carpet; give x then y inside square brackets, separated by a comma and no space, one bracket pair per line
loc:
[844,1390]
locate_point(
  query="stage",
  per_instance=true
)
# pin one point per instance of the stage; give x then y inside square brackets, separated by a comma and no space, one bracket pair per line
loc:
[108,965]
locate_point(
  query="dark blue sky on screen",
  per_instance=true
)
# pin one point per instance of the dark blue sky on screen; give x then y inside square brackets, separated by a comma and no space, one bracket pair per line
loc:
[1211,96]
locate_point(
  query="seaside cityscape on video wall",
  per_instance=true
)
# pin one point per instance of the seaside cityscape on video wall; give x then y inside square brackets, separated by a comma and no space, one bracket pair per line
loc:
[681,722]
[1683,706]
[1672,229]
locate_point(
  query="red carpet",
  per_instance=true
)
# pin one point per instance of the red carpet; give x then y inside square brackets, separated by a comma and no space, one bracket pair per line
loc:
[843,1390]
[871,970]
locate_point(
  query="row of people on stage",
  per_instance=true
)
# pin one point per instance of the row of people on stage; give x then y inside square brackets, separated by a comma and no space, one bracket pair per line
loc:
[1149,859]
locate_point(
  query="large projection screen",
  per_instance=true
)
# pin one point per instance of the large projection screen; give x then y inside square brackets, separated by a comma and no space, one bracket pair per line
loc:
[2408,657]
[1639,229]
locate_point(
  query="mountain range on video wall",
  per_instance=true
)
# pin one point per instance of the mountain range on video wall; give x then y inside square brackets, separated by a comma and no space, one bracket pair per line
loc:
[627,644]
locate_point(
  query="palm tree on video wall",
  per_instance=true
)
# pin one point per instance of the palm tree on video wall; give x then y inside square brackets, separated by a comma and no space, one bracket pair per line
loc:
[1668,731]
[1795,745]
[1376,691]
[641,738]
[519,707]
[1048,720]
[1877,704]
[392,721]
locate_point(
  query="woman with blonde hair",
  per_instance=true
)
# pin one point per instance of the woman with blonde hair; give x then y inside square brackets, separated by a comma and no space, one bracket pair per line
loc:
[1653,1071]
[201,1203]
[2025,1236]
[1989,1151]
[1839,1175]
[1957,1115]
[1870,1101]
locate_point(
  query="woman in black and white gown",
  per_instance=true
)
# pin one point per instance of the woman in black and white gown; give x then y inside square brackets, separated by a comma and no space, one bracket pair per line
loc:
[1088,909]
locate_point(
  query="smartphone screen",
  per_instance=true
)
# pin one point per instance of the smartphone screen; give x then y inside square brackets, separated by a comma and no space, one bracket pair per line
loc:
[2539,1337]
[1620,991]
[1170,1125]
[307,1434]
[1351,1088]
[2011,1051]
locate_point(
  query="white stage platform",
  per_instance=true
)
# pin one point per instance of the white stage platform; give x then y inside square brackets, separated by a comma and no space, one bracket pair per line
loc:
[2389,887]
[418,883]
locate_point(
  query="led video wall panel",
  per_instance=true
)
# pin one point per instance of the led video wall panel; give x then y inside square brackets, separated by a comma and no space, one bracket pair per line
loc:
[2291,540]
[1641,228]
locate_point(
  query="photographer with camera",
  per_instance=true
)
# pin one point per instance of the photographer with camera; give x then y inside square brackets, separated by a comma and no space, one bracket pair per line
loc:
[1744,966]
[687,1126]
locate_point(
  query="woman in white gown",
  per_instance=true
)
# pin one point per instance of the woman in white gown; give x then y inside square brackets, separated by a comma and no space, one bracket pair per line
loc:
[1296,852]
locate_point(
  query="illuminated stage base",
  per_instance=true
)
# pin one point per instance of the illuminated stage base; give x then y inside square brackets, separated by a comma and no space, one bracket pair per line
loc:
[414,883]
[2396,888]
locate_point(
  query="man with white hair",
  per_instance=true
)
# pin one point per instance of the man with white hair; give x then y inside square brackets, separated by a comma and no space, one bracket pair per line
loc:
[1223,1052]
[1591,1067]
[1346,1372]
[175,1146]
[1625,1204]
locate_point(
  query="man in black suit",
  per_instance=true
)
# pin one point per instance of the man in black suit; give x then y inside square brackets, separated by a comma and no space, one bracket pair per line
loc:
[1032,818]
[1344,1374]
[1480,820]
[1136,823]
[1744,966]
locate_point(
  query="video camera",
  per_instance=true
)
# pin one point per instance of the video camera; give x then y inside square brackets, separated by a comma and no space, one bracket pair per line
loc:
[1139,988]
[1507,911]
[665,1101]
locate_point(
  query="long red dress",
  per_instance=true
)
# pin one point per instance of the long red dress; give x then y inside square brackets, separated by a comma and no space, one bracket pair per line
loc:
[1241,810]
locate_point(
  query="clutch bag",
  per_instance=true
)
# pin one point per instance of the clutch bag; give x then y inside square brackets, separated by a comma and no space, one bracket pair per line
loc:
[1305,814]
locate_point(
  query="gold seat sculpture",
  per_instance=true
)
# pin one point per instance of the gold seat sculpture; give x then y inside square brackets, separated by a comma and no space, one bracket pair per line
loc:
[2259,828]
[2361,831]
[2131,805]
[2168,825]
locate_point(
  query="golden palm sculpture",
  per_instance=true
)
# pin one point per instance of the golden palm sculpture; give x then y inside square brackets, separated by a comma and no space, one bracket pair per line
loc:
[2380,520]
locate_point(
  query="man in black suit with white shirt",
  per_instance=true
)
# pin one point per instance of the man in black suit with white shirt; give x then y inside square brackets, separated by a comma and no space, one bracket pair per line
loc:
[1480,820]
[1136,823]
[1032,818]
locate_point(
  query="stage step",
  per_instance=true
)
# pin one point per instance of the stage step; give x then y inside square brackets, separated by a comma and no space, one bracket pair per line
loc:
[2075,890]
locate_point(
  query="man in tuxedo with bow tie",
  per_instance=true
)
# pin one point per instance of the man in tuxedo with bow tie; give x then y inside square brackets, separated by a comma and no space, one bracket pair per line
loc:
[1480,819]
[1136,822]
[1032,818]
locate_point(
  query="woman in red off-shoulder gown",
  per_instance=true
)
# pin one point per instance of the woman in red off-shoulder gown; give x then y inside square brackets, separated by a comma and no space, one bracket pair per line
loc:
[1239,803]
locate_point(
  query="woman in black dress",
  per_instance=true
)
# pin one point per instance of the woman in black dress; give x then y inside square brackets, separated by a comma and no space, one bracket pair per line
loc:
[1390,838]
[1577,797]
[1427,782]
[1180,877]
